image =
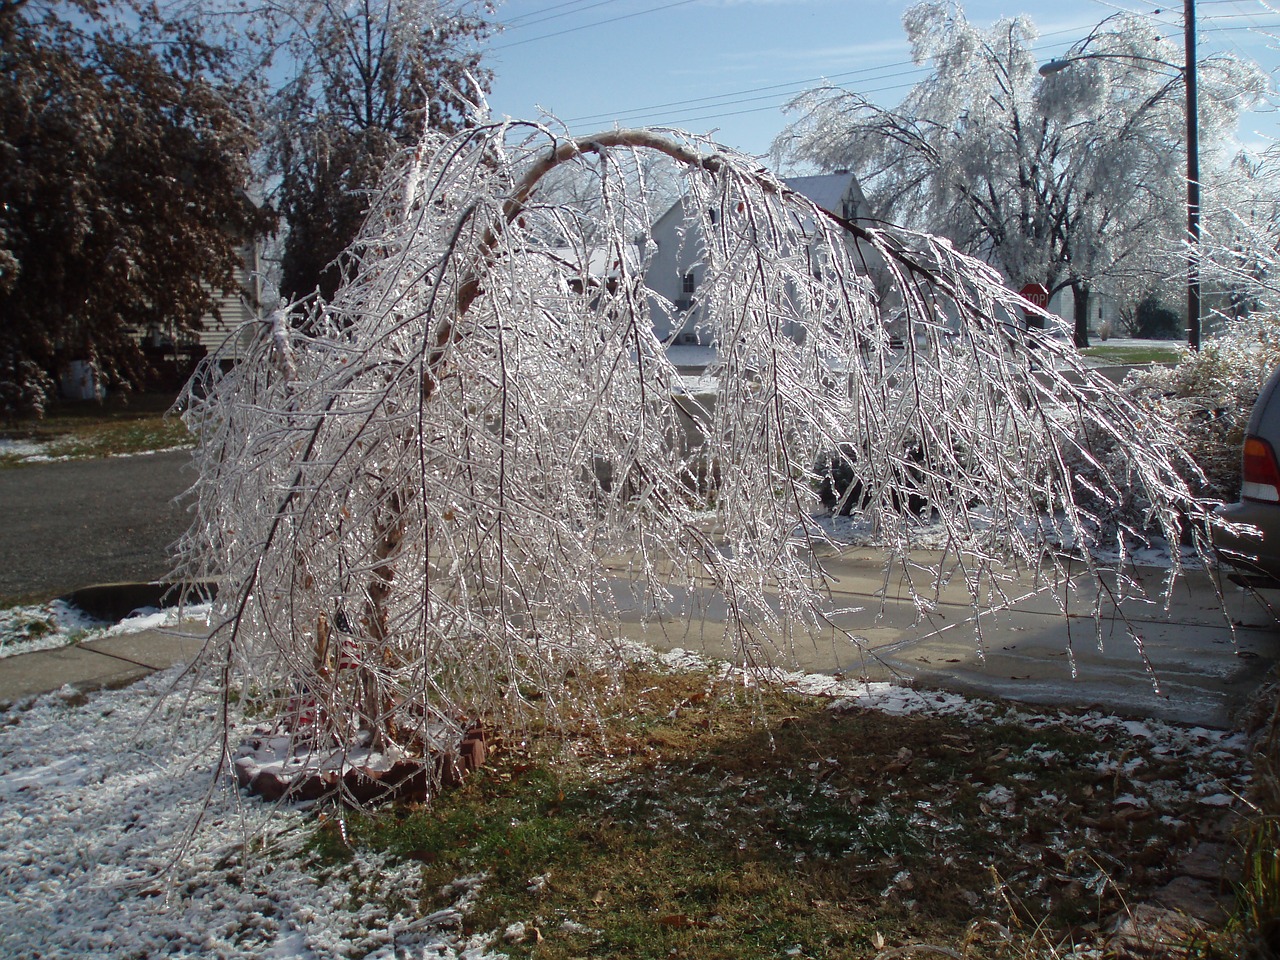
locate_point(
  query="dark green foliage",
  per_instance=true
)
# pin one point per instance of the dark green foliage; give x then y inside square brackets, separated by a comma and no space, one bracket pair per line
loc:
[840,486]
[1155,321]
[123,162]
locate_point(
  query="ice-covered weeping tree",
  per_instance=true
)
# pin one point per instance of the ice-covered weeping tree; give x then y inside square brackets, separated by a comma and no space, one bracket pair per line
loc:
[428,507]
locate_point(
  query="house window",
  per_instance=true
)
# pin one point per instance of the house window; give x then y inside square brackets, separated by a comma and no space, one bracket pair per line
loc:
[688,284]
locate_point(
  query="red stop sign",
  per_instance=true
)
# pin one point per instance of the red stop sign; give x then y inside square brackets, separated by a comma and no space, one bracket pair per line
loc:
[1037,294]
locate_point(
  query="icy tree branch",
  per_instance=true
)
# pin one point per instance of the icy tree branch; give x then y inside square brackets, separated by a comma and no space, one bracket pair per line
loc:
[482,456]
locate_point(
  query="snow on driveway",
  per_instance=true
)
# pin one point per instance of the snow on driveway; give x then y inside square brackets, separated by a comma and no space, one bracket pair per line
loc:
[97,805]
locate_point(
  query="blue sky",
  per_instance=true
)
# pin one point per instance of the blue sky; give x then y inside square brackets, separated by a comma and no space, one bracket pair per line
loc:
[729,65]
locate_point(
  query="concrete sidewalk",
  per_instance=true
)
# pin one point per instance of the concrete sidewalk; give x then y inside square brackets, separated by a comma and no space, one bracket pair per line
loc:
[1187,664]
[108,663]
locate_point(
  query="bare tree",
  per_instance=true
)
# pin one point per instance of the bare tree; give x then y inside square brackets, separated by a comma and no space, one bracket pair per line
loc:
[1241,242]
[366,78]
[429,505]
[575,187]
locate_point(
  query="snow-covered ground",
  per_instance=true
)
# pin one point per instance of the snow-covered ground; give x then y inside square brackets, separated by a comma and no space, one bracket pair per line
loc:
[32,451]
[100,859]
[56,624]
[103,856]
[44,627]
[22,449]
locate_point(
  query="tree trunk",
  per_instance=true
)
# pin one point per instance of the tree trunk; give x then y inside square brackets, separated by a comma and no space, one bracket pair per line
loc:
[1080,299]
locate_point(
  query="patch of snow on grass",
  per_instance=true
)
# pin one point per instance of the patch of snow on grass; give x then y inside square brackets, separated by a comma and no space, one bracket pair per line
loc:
[22,449]
[51,457]
[100,859]
[43,627]
[57,624]
[155,618]
[1164,738]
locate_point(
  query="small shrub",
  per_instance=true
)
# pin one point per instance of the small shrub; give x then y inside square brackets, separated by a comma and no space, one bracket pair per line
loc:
[1156,321]
[1210,395]
[841,488]
[25,389]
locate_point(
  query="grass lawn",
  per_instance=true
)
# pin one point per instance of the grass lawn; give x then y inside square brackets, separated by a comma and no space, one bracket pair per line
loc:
[709,821]
[86,430]
[1149,352]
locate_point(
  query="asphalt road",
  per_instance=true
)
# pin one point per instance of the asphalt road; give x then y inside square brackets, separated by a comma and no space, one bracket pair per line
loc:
[72,524]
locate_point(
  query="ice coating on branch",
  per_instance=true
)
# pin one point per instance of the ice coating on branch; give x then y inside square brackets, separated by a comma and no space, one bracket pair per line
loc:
[483,451]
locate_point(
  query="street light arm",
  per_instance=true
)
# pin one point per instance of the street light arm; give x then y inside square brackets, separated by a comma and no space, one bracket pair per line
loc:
[1061,63]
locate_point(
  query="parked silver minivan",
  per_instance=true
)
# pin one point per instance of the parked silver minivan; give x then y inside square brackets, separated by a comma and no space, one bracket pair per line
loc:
[1257,553]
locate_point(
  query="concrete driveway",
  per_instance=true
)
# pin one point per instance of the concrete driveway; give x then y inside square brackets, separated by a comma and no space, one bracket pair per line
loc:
[1196,662]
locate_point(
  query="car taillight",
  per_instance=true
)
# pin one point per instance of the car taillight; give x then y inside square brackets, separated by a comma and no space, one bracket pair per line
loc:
[1261,473]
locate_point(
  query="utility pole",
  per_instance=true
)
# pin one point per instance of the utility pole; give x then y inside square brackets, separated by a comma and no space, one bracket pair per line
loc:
[1193,152]
[1193,179]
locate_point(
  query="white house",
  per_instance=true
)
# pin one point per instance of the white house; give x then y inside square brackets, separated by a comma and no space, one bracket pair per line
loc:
[674,270]
[234,309]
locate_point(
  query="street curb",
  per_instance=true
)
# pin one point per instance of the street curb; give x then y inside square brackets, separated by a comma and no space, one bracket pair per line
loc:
[115,601]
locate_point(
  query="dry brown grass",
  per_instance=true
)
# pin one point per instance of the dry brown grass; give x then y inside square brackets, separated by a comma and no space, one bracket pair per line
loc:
[701,820]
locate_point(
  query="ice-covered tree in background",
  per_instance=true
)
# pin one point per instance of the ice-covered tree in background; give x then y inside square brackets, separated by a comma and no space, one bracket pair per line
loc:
[429,505]
[575,187]
[1069,180]
[1210,394]
[1241,243]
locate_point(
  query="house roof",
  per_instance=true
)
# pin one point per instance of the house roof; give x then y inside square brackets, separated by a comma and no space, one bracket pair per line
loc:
[829,190]
[826,190]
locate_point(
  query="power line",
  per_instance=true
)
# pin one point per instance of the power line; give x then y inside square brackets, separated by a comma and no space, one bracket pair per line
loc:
[1214,18]
[588,26]
[735,97]
[520,21]
[797,85]
[774,96]
[1170,21]
[774,106]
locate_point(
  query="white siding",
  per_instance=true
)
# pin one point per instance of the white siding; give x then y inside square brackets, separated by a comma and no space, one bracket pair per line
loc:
[235,309]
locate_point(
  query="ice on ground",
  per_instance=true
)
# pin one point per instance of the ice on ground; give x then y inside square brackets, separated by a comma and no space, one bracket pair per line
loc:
[46,451]
[895,699]
[103,858]
[22,449]
[44,626]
